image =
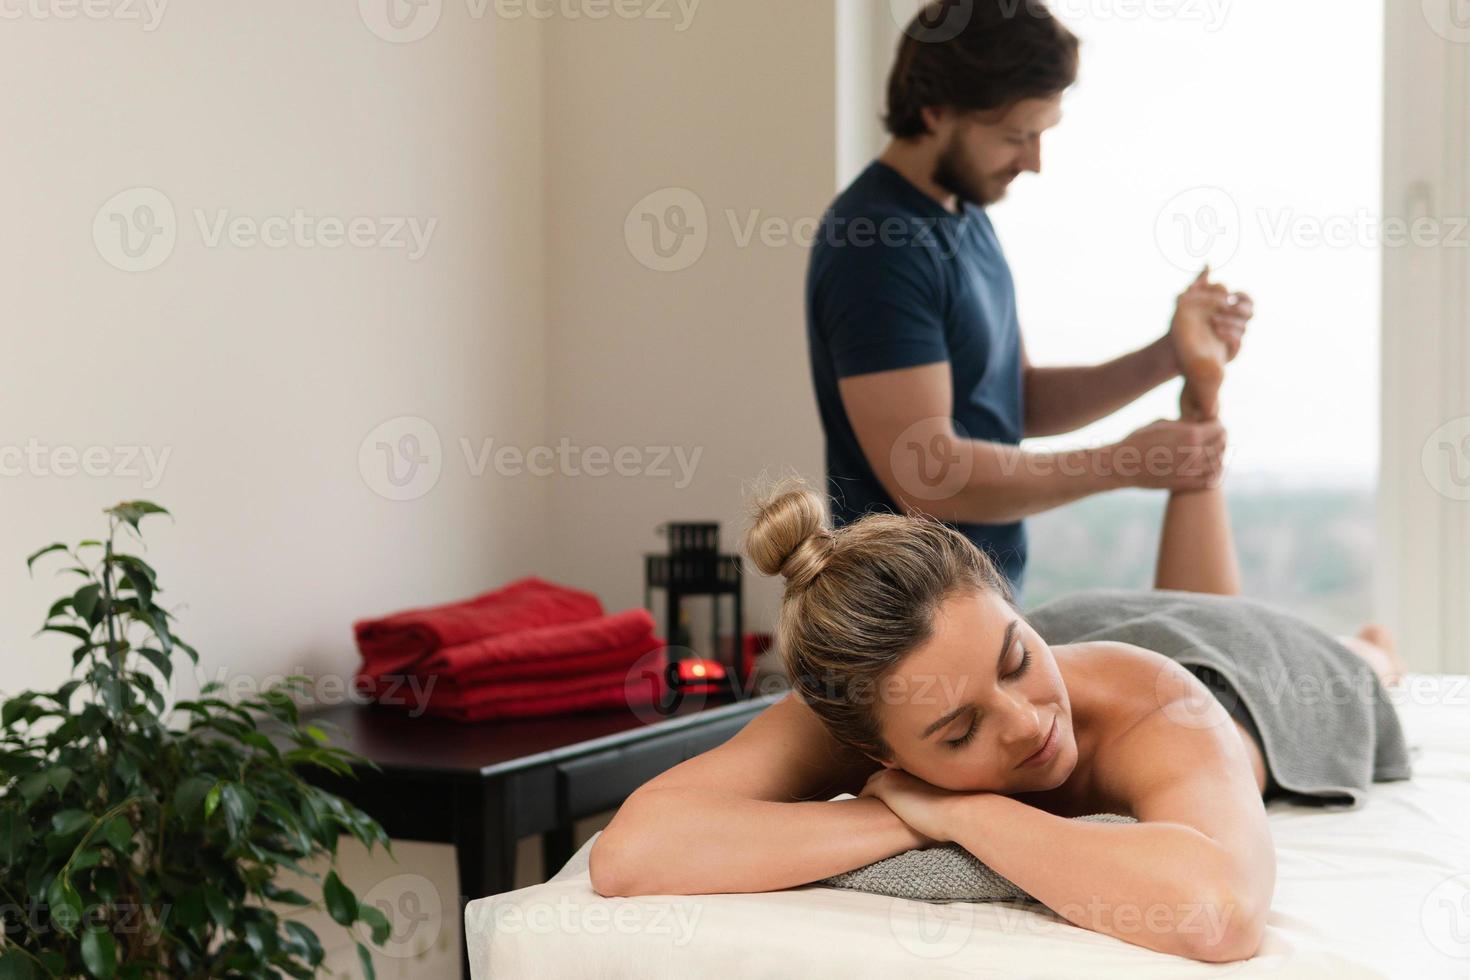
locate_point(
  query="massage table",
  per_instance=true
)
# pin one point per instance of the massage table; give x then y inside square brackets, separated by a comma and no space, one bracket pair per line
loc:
[1381,891]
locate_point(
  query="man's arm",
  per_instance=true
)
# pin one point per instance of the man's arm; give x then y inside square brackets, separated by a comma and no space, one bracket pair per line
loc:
[1064,399]
[902,420]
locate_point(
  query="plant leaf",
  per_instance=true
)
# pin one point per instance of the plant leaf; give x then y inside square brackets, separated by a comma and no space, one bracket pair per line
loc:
[68,629]
[44,551]
[366,959]
[85,602]
[118,833]
[239,808]
[341,903]
[133,511]
[374,919]
[305,940]
[99,953]
[69,822]
[15,833]
[220,909]
[15,965]
[66,905]
[212,800]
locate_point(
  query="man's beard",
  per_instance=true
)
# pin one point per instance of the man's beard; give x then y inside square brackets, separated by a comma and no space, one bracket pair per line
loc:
[951,173]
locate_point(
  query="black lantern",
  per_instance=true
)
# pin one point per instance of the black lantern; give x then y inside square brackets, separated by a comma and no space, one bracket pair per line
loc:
[695,567]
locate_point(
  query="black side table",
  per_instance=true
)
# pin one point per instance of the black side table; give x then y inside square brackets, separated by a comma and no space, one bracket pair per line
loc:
[481,787]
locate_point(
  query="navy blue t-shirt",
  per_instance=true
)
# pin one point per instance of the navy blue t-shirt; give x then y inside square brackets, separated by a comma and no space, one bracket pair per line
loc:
[896,280]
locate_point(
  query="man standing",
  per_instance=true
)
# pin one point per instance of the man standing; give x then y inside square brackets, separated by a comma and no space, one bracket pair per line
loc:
[922,380]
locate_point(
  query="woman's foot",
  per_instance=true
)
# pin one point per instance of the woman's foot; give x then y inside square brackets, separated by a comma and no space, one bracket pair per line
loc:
[1376,645]
[1202,354]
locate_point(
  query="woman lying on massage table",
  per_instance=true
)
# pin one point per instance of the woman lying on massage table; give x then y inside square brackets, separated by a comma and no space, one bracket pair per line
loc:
[919,687]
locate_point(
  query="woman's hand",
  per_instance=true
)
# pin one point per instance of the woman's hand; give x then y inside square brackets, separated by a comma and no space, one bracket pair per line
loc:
[922,806]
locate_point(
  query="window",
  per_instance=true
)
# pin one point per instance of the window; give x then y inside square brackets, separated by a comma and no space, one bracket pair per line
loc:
[1228,134]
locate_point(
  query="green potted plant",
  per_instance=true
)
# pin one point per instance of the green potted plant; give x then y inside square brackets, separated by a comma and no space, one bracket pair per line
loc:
[143,839]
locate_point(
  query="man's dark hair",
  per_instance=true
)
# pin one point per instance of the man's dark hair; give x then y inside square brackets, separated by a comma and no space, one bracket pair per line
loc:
[977,55]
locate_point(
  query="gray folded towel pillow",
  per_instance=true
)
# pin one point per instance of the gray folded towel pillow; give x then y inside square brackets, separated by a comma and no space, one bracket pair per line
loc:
[947,873]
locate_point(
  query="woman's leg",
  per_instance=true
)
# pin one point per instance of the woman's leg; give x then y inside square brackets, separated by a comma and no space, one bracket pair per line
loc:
[1197,554]
[1376,646]
[1196,551]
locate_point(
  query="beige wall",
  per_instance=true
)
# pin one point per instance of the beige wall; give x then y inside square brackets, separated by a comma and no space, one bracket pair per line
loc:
[259,371]
[735,114]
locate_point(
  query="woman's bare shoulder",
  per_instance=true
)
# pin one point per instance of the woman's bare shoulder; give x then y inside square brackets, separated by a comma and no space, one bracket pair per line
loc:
[1119,682]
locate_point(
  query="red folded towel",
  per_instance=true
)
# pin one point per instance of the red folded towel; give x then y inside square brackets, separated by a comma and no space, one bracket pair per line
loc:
[565,669]
[596,692]
[567,649]
[464,695]
[392,644]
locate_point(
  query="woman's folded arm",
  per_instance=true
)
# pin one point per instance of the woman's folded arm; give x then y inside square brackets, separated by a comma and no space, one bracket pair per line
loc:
[753,814]
[1201,856]
[1164,886]
[695,841]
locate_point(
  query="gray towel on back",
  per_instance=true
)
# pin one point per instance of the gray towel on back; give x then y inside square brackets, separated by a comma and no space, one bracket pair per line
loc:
[1326,724]
[1323,717]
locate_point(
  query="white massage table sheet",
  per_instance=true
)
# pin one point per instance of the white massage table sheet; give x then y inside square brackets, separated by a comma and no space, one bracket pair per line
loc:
[1383,891]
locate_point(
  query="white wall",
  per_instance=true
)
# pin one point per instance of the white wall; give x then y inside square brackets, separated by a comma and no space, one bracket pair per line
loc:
[734,114]
[1424,504]
[529,319]
[260,370]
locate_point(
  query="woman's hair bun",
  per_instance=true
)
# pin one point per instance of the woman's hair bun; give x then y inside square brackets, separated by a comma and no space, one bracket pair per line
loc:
[789,532]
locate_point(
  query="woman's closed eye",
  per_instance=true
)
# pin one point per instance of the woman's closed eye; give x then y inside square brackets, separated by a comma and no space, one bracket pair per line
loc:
[963,740]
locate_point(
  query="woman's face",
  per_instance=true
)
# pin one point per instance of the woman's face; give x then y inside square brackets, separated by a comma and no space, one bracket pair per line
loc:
[965,710]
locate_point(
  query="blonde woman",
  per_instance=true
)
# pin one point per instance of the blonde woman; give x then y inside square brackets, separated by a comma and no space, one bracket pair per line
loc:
[920,688]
